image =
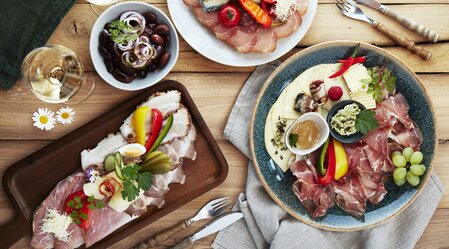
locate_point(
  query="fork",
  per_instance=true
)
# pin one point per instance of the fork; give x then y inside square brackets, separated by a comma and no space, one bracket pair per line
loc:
[351,10]
[211,209]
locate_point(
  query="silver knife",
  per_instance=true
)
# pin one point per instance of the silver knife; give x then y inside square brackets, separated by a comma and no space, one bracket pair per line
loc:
[213,226]
[407,22]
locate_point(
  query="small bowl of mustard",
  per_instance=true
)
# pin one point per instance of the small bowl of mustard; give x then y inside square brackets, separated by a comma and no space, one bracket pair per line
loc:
[338,129]
[306,134]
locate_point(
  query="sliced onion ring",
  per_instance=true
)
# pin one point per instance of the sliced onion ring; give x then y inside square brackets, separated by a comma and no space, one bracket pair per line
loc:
[141,64]
[144,51]
[129,59]
[129,45]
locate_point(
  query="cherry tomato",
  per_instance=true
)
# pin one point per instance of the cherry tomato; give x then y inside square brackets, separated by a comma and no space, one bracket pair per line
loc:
[229,15]
[71,197]
[85,223]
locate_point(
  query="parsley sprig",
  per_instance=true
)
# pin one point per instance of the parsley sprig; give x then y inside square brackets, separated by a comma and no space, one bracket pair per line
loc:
[292,139]
[382,79]
[120,32]
[77,204]
[135,181]
[366,121]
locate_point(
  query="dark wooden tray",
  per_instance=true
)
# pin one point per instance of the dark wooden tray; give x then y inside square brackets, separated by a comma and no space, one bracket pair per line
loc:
[30,180]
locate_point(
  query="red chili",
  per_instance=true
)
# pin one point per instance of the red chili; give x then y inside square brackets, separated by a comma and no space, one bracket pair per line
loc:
[331,165]
[155,128]
[347,64]
[359,59]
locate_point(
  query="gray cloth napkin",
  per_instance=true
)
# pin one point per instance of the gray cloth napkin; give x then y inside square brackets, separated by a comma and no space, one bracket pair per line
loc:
[266,225]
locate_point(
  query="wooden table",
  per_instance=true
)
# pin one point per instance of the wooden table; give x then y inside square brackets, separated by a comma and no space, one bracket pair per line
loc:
[215,87]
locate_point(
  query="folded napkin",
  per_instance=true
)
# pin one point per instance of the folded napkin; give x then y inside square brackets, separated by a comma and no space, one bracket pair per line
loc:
[24,26]
[266,225]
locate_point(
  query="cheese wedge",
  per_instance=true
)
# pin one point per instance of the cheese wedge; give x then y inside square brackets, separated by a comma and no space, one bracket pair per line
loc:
[365,99]
[355,78]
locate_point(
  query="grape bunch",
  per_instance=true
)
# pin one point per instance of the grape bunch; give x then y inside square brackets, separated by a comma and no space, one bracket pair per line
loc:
[405,172]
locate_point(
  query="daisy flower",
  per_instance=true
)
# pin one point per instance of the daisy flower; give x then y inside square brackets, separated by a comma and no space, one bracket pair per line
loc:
[44,119]
[65,115]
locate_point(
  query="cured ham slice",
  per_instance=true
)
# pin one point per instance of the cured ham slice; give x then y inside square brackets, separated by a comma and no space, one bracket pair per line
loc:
[224,33]
[373,187]
[315,198]
[208,20]
[55,200]
[266,41]
[192,3]
[180,127]
[409,138]
[243,41]
[105,147]
[181,148]
[103,222]
[350,196]
[398,107]
[291,24]
[166,102]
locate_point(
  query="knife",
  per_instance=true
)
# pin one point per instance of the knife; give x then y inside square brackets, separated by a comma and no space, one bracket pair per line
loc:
[407,22]
[213,226]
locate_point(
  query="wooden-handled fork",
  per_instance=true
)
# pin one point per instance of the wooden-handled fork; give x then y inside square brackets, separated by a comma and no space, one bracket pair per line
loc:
[350,9]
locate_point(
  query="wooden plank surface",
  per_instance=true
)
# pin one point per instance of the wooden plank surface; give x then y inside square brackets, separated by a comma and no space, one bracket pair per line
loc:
[214,88]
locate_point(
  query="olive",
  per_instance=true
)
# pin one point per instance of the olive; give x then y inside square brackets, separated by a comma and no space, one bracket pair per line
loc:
[109,65]
[150,17]
[148,31]
[142,74]
[107,26]
[166,40]
[163,60]
[152,67]
[162,29]
[159,52]
[104,53]
[127,70]
[157,39]
[104,38]
[120,76]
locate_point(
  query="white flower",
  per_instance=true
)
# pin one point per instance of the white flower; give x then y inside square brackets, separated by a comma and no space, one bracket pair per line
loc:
[65,115]
[44,119]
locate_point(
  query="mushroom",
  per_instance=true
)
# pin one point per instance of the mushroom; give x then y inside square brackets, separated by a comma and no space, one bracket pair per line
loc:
[318,91]
[304,103]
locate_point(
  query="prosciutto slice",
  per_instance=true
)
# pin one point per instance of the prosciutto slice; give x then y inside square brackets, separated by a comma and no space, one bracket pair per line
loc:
[208,20]
[55,200]
[192,3]
[350,196]
[315,198]
[243,41]
[397,106]
[266,41]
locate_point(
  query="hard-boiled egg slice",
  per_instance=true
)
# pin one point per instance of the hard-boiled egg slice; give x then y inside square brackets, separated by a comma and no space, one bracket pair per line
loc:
[132,150]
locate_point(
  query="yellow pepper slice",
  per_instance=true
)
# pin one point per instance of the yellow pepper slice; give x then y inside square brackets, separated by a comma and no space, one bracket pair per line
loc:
[139,123]
[341,159]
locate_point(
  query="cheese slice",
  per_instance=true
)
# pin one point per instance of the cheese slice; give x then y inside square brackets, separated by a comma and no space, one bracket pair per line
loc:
[355,78]
[365,99]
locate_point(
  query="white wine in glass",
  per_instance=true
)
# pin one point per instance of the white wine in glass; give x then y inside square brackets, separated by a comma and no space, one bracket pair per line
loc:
[54,73]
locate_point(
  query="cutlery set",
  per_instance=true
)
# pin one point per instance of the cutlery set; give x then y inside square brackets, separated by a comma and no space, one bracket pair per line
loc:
[213,209]
[350,9]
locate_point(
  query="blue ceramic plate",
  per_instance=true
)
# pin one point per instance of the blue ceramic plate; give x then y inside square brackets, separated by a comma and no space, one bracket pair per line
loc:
[279,185]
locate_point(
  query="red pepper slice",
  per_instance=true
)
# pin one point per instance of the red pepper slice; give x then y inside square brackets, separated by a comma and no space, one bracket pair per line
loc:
[71,197]
[155,128]
[257,13]
[108,186]
[347,64]
[331,164]
[359,59]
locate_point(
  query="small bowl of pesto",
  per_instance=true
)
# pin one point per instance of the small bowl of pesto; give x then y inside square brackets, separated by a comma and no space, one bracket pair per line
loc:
[307,133]
[343,123]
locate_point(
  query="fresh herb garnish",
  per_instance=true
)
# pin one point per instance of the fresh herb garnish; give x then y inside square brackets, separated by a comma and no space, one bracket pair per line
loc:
[135,181]
[77,204]
[120,32]
[366,121]
[292,139]
[382,81]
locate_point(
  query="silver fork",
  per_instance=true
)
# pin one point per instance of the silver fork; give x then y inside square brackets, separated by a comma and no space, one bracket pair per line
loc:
[350,9]
[211,209]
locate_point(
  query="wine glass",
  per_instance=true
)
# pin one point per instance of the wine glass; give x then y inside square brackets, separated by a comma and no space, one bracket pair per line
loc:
[55,74]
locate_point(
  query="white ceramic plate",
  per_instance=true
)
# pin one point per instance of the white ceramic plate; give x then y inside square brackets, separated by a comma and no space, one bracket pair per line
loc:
[204,41]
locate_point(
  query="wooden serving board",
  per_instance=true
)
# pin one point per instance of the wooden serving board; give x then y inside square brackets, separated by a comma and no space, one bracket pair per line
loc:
[29,181]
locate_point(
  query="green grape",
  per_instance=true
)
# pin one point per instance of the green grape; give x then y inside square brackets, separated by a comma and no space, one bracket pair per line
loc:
[412,179]
[416,157]
[418,169]
[399,173]
[407,153]
[396,153]
[399,161]
[400,182]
